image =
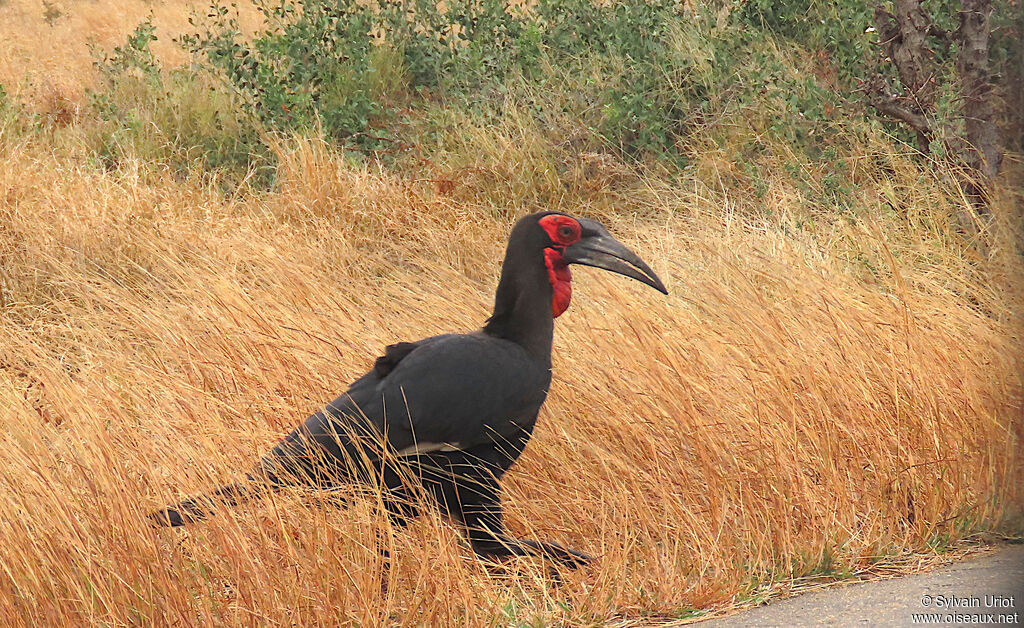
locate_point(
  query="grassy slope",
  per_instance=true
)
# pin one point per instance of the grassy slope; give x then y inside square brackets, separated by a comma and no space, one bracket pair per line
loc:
[809,400]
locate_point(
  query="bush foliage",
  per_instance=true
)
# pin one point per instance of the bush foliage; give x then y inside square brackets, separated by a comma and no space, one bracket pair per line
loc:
[636,80]
[353,68]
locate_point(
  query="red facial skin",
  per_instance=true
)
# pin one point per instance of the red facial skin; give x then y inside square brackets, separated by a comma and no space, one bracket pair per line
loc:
[561,281]
[563,232]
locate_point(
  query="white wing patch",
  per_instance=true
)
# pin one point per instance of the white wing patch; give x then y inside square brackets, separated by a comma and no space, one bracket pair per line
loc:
[426,448]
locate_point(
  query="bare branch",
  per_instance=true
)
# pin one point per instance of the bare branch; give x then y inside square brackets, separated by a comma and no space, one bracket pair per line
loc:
[892,106]
[883,98]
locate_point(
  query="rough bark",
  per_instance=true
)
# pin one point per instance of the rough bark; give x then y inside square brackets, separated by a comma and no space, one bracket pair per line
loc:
[982,150]
[909,39]
[904,40]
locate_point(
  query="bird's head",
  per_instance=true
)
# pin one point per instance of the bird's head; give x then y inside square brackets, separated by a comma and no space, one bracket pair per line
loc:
[567,240]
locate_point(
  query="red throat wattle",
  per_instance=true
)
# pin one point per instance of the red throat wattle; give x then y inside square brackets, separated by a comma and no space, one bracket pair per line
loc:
[561,281]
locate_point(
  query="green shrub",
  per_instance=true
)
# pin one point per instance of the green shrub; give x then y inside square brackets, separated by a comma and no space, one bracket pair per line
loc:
[321,62]
[638,80]
[182,117]
[14,120]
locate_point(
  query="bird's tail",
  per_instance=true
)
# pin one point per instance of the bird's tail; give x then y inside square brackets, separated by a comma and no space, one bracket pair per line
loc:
[201,507]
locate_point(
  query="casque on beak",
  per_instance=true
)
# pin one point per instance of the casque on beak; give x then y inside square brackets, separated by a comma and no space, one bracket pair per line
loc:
[599,249]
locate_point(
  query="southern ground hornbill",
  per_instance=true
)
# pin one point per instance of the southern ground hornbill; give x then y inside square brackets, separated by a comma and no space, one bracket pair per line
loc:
[449,413]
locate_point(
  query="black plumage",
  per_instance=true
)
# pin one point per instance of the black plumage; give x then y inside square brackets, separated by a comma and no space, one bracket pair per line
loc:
[449,413]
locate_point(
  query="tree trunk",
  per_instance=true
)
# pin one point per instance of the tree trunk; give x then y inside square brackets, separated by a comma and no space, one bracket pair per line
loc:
[982,151]
[907,35]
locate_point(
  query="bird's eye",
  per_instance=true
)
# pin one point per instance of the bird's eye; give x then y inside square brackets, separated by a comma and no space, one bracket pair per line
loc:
[562,231]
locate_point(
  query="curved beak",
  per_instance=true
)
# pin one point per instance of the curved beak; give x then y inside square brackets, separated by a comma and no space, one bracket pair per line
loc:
[599,249]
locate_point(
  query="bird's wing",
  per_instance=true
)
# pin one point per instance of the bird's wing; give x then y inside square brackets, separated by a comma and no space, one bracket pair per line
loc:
[439,394]
[461,390]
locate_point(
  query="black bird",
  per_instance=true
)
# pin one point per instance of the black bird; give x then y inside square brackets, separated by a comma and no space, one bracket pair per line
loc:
[449,413]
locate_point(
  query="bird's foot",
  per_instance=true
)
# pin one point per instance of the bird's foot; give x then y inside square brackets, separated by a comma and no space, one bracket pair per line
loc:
[504,547]
[565,556]
[168,518]
[179,514]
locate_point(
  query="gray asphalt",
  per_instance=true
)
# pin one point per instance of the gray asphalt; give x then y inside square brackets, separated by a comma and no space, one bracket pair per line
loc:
[984,591]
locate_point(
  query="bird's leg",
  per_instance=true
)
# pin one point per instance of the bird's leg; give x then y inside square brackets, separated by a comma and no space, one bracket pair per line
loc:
[400,509]
[481,513]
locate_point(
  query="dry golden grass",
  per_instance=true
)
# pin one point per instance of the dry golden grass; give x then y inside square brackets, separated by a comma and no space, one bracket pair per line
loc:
[811,399]
[47,64]
[779,415]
